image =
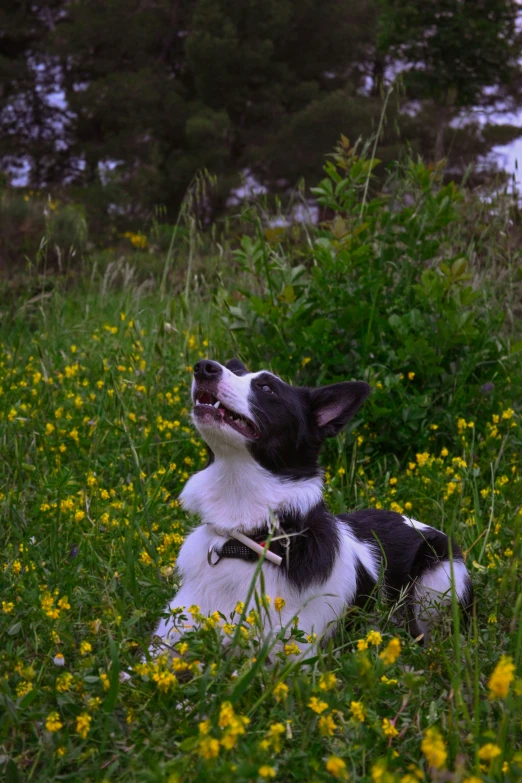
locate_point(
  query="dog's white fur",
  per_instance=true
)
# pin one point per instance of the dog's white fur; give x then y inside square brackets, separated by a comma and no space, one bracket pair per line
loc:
[220,588]
[236,493]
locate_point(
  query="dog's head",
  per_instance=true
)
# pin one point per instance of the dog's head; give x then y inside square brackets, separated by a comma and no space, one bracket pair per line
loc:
[282,426]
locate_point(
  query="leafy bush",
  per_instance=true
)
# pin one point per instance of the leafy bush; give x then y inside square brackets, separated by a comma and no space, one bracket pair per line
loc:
[383,291]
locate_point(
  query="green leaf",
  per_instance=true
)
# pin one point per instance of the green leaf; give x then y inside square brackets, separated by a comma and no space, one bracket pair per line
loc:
[189,744]
[11,773]
[458,268]
[28,698]
[288,294]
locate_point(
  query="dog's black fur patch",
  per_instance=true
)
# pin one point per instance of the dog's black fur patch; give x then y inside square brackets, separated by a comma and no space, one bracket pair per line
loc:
[288,419]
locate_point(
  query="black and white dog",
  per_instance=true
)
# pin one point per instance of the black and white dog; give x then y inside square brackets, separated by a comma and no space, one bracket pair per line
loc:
[264,438]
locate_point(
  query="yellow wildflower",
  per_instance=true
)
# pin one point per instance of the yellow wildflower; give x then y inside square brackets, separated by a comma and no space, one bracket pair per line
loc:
[280,691]
[327,726]
[327,681]
[266,772]
[388,681]
[357,711]
[317,706]
[391,652]
[275,736]
[388,728]
[23,688]
[279,604]
[434,749]
[164,680]
[380,774]
[83,724]
[502,677]
[64,682]
[489,751]
[374,637]
[337,768]
[53,722]
[208,748]
[226,715]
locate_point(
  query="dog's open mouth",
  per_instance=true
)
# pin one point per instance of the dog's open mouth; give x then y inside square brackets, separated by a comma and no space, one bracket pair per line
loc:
[206,403]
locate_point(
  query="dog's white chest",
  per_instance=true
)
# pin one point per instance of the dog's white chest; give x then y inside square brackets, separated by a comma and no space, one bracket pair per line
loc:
[221,587]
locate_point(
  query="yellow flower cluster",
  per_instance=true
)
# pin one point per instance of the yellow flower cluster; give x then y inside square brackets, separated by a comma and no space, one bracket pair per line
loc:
[388,728]
[489,752]
[83,724]
[137,239]
[337,768]
[274,738]
[434,748]
[231,726]
[357,711]
[374,638]
[48,607]
[317,705]
[53,722]
[502,677]
[391,652]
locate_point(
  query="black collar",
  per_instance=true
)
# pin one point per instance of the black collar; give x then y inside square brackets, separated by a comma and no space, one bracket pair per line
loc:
[237,550]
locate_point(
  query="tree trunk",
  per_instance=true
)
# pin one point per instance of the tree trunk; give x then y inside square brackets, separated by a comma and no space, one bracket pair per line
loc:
[377,75]
[444,116]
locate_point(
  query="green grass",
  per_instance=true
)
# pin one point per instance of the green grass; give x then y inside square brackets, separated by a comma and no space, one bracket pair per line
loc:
[96,446]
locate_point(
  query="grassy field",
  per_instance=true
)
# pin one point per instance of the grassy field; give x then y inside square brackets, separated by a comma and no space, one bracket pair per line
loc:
[96,444]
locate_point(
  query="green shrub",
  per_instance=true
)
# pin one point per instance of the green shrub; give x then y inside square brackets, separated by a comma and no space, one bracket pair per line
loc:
[382,291]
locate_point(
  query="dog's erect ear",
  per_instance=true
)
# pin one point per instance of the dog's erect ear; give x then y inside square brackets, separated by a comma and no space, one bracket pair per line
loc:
[334,405]
[237,367]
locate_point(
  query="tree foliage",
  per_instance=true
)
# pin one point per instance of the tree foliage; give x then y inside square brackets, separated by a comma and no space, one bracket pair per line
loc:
[125,100]
[459,54]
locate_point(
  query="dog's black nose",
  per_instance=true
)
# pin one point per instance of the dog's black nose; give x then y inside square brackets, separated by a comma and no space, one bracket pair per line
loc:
[207,370]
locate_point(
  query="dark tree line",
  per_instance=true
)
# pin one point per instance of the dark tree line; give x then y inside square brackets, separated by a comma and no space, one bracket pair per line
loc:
[124,101]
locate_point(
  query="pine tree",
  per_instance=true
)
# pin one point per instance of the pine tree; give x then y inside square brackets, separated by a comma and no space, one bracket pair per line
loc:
[457,56]
[31,126]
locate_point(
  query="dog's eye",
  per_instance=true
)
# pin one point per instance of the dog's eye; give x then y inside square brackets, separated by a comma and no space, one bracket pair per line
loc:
[265,388]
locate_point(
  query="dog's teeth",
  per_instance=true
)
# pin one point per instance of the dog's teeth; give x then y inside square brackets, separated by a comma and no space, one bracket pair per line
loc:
[217,404]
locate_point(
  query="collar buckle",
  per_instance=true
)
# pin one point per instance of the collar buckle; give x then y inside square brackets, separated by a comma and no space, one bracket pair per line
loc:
[211,551]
